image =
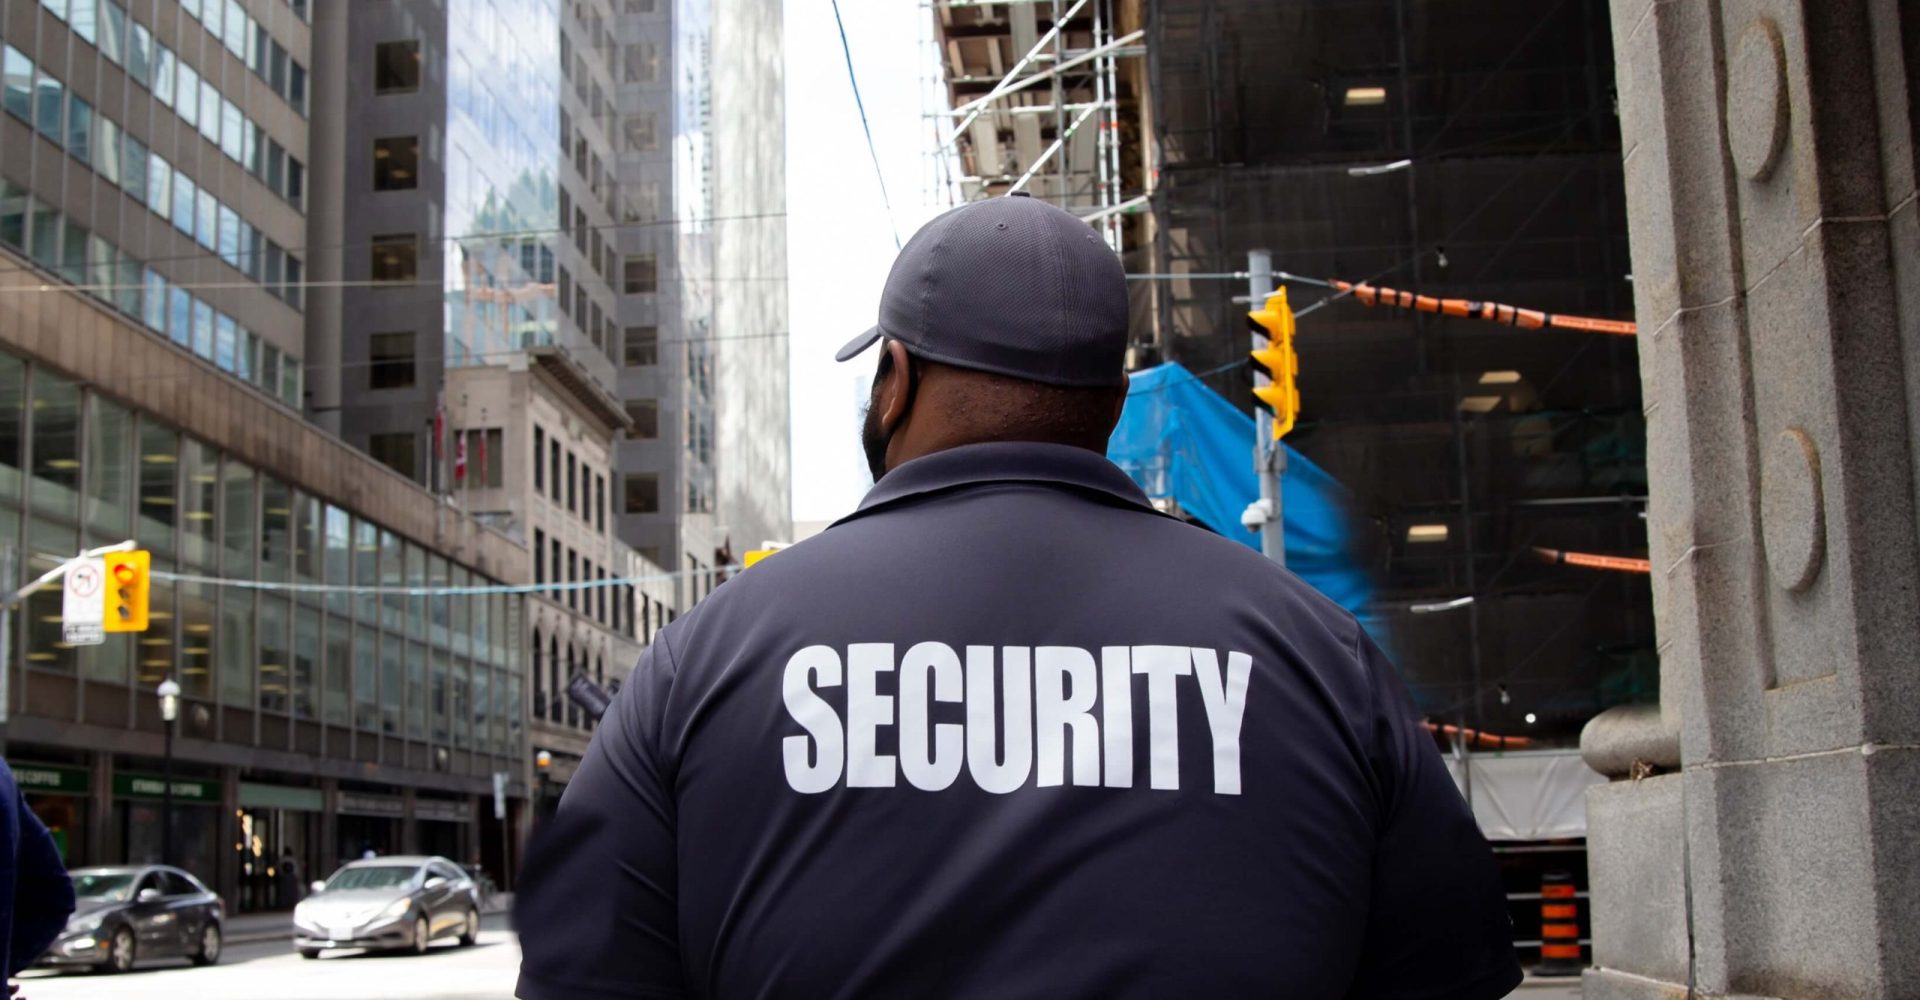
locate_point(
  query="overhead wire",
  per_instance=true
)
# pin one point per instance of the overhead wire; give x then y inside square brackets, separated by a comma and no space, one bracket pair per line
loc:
[508,234]
[854,80]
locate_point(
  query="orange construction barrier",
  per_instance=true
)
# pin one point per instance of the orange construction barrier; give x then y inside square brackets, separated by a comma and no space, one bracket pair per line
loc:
[1527,319]
[1618,564]
[1559,926]
[1480,739]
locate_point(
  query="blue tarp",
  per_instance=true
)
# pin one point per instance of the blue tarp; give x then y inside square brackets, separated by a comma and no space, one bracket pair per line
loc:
[1182,441]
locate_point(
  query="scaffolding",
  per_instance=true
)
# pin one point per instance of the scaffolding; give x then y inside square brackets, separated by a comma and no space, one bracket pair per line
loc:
[1036,100]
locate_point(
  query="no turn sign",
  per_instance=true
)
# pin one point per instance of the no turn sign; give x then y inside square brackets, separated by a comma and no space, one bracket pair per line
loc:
[84,607]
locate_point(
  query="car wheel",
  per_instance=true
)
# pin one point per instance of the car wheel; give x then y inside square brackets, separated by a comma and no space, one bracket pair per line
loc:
[470,929]
[309,953]
[421,935]
[119,951]
[209,952]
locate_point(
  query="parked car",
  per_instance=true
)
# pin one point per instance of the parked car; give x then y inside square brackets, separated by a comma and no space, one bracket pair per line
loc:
[136,912]
[399,903]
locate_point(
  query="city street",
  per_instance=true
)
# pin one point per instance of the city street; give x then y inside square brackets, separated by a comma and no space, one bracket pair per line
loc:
[486,971]
[251,970]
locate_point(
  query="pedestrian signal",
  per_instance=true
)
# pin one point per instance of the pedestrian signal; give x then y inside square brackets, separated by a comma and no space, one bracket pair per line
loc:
[1277,361]
[129,582]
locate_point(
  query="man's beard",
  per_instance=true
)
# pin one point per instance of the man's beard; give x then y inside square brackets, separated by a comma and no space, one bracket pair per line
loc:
[872,440]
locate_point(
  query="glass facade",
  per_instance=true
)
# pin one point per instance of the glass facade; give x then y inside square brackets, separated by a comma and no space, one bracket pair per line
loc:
[502,207]
[99,472]
[118,267]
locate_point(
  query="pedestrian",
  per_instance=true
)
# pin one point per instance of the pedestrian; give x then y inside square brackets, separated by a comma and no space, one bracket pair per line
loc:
[1006,730]
[287,879]
[36,896]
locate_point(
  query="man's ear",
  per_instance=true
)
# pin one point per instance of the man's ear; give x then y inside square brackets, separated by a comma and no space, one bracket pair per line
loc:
[896,393]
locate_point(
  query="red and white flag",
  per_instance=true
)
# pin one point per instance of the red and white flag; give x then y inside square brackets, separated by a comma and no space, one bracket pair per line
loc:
[481,472]
[460,457]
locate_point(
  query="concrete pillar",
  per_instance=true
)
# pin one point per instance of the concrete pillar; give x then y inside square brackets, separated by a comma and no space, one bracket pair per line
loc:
[101,818]
[409,826]
[331,851]
[1770,187]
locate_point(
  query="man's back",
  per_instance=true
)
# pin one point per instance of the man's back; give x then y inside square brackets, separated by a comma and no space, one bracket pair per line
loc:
[1007,732]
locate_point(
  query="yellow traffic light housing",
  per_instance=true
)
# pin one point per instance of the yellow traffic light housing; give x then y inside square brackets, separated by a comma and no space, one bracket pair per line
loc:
[1277,361]
[129,583]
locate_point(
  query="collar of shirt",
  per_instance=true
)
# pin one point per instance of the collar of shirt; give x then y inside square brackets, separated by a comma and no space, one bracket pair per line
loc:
[1004,462]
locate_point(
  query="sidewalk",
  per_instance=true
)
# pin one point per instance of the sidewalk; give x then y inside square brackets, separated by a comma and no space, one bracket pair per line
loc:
[245,927]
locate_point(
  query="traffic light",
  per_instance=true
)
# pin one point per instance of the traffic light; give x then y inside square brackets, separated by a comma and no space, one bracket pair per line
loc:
[128,584]
[1277,361]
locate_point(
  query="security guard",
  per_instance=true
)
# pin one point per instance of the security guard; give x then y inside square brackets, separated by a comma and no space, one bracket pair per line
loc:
[1005,731]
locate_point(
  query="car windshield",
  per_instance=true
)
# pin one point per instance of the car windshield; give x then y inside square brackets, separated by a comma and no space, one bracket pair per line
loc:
[375,877]
[110,886]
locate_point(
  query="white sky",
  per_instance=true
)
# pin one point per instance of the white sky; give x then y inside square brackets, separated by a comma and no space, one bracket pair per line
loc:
[839,241]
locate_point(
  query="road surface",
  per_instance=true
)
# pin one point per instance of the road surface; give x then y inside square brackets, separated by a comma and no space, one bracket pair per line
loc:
[251,971]
[485,971]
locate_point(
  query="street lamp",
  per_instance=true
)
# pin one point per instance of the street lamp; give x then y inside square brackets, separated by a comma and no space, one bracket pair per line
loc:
[543,762]
[169,692]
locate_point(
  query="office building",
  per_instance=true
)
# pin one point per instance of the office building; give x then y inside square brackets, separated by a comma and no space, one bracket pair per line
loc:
[154,200]
[534,174]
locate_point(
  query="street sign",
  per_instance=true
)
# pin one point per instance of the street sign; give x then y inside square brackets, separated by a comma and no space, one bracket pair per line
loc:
[499,795]
[83,610]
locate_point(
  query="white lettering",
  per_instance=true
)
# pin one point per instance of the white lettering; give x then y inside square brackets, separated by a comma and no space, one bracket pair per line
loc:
[1162,664]
[815,716]
[936,772]
[1226,709]
[1063,694]
[1033,717]
[1116,714]
[866,713]
[990,771]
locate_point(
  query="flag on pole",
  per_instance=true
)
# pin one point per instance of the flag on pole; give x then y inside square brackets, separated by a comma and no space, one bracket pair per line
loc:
[481,472]
[439,435]
[460,457]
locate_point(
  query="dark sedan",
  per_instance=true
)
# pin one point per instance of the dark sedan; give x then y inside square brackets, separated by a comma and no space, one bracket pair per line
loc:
[129,914]
[388,903]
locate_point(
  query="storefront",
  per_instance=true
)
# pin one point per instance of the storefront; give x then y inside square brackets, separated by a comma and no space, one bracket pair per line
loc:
[140,808]
[278,844]
[57,794]
[444,827]
[369,825]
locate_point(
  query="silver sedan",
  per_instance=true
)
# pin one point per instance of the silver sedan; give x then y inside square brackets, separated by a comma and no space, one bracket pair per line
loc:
[400,903]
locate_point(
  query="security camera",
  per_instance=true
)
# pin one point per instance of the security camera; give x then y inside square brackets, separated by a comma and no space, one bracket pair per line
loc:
[1257,515]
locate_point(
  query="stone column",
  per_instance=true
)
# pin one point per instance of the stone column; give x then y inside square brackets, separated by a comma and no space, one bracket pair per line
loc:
[1770,191]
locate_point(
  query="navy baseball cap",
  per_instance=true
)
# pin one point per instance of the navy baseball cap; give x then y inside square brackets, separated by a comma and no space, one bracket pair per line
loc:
[1012,286]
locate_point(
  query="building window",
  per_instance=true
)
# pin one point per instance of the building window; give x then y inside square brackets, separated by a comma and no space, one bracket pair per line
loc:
[573,497]
[539,559]
[539,467]
[641,133]
[491,459]
[396,163]
[599,503]
[395,451]
[573,575]
[396,258]
[392,357]
[642,493]
[643,62]
[645,414]
[642,274]
[396,67]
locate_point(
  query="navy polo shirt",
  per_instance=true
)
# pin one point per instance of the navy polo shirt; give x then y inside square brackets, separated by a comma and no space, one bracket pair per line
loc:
[1008,732]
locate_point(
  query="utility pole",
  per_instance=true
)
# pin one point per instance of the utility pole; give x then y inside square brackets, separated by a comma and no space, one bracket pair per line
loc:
[1269,456]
